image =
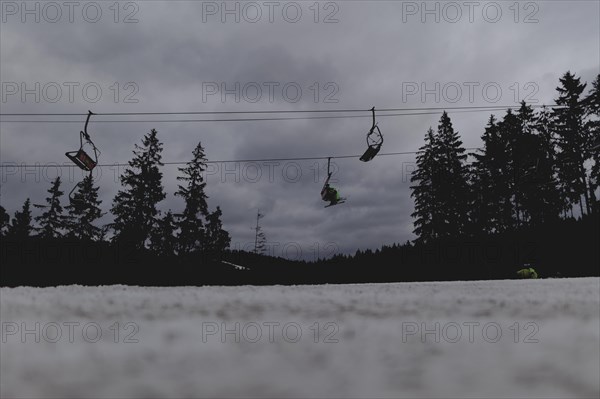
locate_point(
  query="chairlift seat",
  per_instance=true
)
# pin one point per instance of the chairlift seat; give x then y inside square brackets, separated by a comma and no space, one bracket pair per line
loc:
[371,152]
[82,159]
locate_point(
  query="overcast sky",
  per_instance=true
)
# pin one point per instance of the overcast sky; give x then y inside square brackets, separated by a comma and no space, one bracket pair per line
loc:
[177,56]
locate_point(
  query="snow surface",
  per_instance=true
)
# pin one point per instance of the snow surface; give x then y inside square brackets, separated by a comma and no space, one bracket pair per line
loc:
[176,354]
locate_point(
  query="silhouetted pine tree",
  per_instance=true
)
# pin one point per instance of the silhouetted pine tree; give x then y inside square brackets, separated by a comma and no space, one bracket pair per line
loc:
[549,203]
[573,141]
[163,241]
[490,189]
[20,227]
[84,210]
[4,221]
[529,153]
[217,239]
[452,193]
[135,206]
[510,132]
[592,104]
[192,233]
[592,100]
[52,222]
[424,179]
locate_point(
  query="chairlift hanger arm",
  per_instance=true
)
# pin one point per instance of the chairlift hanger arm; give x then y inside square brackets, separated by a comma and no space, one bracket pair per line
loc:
[87,136]
[374,124]
[375,135]
[328,173]
[87,121]
[378,140]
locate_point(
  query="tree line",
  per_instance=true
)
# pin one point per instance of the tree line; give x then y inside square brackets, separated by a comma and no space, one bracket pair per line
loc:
[137,219]
[535,167]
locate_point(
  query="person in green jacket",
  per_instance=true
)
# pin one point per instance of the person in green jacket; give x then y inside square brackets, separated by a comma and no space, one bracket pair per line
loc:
[528,272]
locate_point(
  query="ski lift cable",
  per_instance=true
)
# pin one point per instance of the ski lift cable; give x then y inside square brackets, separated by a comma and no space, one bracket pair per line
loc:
[321,111]
[11,165]
[242,119]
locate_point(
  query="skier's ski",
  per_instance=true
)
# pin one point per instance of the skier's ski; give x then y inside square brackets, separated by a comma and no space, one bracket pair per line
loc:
[236,267]
[341,201]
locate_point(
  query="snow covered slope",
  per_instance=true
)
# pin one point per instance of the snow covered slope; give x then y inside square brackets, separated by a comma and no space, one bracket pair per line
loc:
[537,338]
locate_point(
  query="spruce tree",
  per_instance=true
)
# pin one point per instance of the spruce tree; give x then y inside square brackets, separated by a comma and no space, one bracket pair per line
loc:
[424,179]
[489,183]
[84,210]
[550,203]
[20,227]
[572,140]
[163,241]
[192,234]
[592,100]
[452,193]
[529,153]
[217,239]
[592,104]
[134,207]
[4,221]
[51,222]
[510,131]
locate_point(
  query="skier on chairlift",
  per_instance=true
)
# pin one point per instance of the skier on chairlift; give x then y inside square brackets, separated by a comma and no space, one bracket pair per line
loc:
[328,193]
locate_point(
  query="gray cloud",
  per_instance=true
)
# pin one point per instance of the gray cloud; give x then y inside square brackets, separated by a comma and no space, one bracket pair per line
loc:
[370,55]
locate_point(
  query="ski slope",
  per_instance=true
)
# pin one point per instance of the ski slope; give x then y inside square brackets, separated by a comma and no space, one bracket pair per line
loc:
[536,338]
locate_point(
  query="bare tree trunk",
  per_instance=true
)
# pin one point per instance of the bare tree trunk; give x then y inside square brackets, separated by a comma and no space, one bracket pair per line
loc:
[583,177]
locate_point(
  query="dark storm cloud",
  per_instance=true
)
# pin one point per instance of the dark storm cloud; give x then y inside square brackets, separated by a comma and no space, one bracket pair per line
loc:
[366,59]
